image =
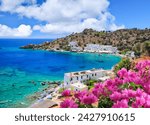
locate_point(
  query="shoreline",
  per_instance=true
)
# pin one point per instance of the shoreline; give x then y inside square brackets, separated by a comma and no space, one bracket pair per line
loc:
[44,94]
[84,52]
[50,95]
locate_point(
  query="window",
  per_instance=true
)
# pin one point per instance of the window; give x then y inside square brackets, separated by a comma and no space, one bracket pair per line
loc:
[95,74]
[71,79]
[81,77]
[77,78]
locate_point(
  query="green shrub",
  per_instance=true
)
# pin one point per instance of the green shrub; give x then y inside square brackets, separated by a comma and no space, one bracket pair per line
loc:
[61,90]
[146,48]
[123,52]
[105,102]
[142,48]
[67,48]
[124,63]
[130,85]
[90,83]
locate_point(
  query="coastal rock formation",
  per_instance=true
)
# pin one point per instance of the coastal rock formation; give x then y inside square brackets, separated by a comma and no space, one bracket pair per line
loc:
[132,39]
[30,46]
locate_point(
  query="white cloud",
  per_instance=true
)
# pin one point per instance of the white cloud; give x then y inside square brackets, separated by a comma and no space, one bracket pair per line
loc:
[64,10]
[114,27]
[21,31]
[11,5]
[65,16]
[66,28]
[60,28]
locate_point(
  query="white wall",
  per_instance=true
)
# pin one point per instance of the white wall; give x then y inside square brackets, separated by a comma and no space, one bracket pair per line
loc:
[68,77]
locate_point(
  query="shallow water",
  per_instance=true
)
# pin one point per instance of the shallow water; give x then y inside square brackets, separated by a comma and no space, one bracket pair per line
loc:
[19,68]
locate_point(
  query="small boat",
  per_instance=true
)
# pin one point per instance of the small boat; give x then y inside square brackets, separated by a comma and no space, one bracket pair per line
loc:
[101,61]
[81,66]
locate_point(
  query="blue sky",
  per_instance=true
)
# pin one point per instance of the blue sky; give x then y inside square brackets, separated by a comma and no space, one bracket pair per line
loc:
[131,13]
[55,18]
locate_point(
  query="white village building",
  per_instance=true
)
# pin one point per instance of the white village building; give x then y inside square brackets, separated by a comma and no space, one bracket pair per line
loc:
[93,48]
[74,46]
[130,54]
[100,48]
[78,86]
[83,76]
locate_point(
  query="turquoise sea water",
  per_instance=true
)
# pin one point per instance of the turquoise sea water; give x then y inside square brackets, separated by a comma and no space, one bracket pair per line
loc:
[19,67]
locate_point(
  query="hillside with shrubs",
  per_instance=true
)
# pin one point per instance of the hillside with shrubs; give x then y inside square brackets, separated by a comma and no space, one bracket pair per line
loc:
[137,40]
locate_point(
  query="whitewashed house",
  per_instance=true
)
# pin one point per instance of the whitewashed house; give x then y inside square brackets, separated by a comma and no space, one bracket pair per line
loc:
[108,49]
[92,48]
[100,48]
[76,49]
[82,76]
[78,87]
[130,54]
[74,46]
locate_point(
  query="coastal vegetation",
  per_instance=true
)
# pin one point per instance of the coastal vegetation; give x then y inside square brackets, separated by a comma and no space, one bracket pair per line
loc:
[130,88]
[124,63]
[137,40]
[142,48]
[90,83]
[123,52]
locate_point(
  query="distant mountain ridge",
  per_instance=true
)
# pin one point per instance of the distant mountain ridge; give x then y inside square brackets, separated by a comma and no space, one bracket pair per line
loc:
[135,39]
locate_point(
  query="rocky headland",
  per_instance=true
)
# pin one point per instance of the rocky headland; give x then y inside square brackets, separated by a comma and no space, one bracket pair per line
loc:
[135,39]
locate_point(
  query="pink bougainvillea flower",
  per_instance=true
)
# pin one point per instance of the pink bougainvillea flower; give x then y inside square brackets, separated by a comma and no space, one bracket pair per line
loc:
[100,89]
[122,73]
[139,92]
[68,103]
[80,94]
[89,99]
[140,101]
[131,93]
[96,92]
[125,94]
[115,96]
[66,93]
[121,104]
[147,104]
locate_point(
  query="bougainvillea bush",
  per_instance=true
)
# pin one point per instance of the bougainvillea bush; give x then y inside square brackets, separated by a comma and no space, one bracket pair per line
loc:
[130,88]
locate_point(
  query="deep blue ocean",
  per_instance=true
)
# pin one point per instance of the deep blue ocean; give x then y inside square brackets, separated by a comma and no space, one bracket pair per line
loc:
[19,67]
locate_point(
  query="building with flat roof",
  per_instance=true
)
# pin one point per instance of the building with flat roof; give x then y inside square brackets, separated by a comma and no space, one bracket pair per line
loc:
[83,76]
[130,54]
[100,48]
[74,46]
[78,86]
